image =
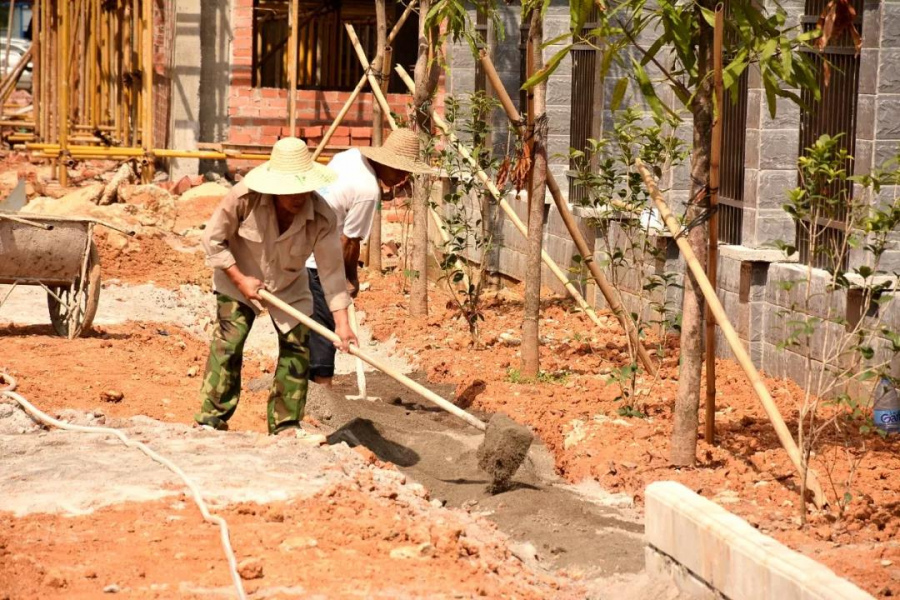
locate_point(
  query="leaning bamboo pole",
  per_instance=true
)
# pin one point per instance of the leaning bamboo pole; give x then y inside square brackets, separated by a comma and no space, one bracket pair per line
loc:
[609,292]
[712,264]
[374,84]
[359,86]
[504,205]
[731,336]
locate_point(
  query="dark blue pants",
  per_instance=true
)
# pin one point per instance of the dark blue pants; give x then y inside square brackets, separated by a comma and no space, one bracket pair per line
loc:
[321,351]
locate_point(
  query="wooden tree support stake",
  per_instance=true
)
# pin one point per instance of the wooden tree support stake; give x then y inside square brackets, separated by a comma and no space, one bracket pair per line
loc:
[731,336]
[712,260]
[609,293]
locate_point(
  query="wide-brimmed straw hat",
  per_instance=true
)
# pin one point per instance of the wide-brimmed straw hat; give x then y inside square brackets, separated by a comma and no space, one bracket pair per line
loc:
[399,151]
[290,170]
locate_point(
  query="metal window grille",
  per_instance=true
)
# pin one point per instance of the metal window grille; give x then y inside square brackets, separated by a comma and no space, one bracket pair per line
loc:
[834,114]
[731,179]
[481,34]
[523,68]
[584,98]
[326,59]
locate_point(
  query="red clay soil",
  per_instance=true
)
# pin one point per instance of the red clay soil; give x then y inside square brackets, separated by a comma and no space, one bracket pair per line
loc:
[157,368]
[747,470]
[295,543]
[151,258]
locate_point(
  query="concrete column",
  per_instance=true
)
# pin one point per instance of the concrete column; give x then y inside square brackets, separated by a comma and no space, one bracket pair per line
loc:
[186,87]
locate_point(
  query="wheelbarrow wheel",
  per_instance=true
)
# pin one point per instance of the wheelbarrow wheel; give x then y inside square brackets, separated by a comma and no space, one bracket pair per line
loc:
[74,315]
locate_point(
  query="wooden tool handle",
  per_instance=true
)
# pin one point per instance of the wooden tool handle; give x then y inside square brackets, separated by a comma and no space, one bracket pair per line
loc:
[387,370]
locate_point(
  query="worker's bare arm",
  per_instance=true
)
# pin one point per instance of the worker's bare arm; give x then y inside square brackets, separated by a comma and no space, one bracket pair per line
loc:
[350,248]
[248,286]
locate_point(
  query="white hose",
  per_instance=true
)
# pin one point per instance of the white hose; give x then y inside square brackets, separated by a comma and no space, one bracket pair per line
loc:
[195,492]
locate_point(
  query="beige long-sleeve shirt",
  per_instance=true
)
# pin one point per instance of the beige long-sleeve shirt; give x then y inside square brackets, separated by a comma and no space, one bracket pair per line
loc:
[243,230]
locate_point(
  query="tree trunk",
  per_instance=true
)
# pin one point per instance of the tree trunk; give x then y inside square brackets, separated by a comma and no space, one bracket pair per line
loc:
[374,246]
[537,192]
[427,74]
[687,403]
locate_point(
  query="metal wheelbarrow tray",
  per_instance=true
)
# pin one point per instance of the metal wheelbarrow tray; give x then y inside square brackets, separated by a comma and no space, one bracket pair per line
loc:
[58,254]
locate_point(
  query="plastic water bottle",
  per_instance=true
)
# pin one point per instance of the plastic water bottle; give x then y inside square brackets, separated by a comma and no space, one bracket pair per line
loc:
[886,410]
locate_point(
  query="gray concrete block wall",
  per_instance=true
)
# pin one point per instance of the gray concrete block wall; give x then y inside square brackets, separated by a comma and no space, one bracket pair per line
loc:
[772,146]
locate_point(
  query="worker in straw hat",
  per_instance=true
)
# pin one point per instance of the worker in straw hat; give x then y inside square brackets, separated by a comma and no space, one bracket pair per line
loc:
[354,197]
[259,237]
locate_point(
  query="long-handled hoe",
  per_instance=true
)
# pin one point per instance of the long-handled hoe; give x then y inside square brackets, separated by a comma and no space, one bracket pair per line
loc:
[360,369]
[505,442]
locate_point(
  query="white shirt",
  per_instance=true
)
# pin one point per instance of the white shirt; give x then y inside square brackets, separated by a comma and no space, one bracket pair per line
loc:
[353,197]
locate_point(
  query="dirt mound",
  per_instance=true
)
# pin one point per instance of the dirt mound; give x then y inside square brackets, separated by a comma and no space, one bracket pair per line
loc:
[149,207]
[196,205]
[150,258]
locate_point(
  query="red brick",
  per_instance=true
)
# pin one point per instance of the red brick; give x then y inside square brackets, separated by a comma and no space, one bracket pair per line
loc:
[342,131]
[240,137]
[360,141]
[183,185]
[339,141]
[312,132]
[361,132]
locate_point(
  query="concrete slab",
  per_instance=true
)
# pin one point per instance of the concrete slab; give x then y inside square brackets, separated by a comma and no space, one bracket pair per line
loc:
[729,555]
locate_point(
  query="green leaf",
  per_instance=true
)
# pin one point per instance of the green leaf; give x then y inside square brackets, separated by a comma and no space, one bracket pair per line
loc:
[578,13]
[647,89]
[709,16]
[619,93]
[548,69]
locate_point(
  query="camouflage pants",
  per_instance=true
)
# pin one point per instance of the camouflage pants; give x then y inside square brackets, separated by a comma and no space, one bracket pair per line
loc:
[222,381]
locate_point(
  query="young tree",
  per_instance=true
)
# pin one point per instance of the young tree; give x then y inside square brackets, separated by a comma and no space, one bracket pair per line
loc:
[427,74]
[680,59]
[537,142]
[379,63]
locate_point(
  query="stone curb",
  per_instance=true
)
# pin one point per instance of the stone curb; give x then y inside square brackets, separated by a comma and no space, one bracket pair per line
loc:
[729,555]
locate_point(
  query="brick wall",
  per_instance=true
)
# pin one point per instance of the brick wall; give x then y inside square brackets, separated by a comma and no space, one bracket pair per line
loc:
[259,116]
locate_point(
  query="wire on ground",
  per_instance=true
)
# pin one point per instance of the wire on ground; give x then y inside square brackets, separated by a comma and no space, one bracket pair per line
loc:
[9,392]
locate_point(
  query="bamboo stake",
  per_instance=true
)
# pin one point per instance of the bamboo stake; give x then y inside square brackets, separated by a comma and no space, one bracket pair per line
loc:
[359,86]
[712,264]
[374,85]
[374,247]
[609,293]
[292,66]
[147,80]
[62,117]
[420,389]
[504,205]
[731,336]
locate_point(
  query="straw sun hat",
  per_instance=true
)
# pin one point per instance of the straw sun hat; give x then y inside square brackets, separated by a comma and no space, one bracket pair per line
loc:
[290,170]
[399,151]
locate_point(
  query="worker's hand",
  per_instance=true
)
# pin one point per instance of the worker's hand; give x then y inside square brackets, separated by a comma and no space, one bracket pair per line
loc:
[249,287]
[343,330]
[347,336]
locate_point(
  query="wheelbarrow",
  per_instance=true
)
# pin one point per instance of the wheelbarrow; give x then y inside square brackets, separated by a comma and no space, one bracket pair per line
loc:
[58,254]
